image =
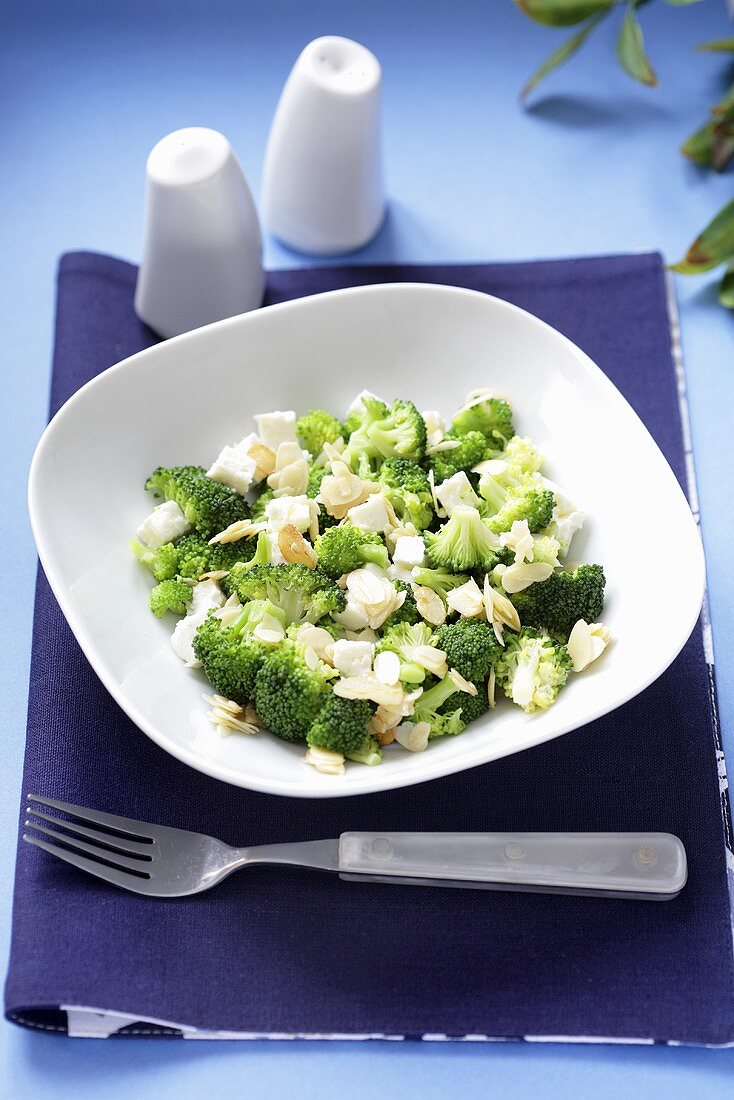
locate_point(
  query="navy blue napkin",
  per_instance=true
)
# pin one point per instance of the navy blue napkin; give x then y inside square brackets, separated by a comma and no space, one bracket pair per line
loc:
[279,951]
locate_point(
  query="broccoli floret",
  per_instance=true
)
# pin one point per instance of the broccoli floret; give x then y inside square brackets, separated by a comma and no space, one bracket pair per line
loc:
[534,505]
[385,432]
[407,488]
[470,706]
[491,416]
[191,555]
[521,456]
[341,725]
[304,595]
[170,595]
[345,548]
[401,639]
[317,427]
[565,597]
[472,449]
[231,656]
[546,549]
[163,562]
[440,706]
[440,580]
[316,475]
[464,542]
[470,647]
[407,612]
[369,752]
[532,669]
[288,693]
[208,505]
[262,555]
[260,503]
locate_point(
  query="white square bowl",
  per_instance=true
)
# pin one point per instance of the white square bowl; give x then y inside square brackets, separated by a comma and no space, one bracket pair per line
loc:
[180,401]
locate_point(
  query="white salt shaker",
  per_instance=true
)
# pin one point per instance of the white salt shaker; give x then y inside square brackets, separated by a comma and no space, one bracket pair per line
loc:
[202,246]
[322,183]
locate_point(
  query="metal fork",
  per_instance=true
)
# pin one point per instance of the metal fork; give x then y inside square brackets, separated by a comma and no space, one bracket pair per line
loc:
[167,863]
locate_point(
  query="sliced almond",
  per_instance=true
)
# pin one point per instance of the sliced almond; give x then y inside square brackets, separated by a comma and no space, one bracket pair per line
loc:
[491,686]
[519,540]
[462,684]
[264,459]
[290,480]
[518,577]
[467,599]
[294,547]
[586,643]
[252,718]
[287,454]
[369,687]
[315,638]
[313,523]
[387,667]
[385,737]
[342,490]
[430,605]
[214,575]
[437,505]
[240,529]
[428,657]
[413,735]
[443,445]
[491,467]
[366,587]
[503,610]
[324,761]
[269,630]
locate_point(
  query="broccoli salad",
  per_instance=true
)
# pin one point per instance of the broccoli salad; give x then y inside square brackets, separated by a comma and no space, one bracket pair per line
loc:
[350,584]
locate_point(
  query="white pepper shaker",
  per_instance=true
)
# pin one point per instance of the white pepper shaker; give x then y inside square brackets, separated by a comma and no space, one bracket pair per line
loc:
[202,246]
[322,182]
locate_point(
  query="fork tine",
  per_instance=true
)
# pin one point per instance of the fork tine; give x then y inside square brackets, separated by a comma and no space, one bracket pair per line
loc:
[136,865]
[123,824]
[117,844]
[99,870]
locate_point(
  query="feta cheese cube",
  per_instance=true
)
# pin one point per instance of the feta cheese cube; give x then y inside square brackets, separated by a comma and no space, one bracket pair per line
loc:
[164,524]
[276,557]
[409,550]
[206,596]
[276,427]
[282,510]
[234,466]
[353,658]
[455,491]
[183,636]
[370,516]
[354,615]
[400,573]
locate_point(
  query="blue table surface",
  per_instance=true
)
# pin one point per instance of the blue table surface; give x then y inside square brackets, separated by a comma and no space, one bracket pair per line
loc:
[89,86]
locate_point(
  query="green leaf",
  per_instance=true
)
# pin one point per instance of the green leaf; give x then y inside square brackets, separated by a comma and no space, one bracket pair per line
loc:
[726,288]
[713,144]
[712,247]
[562,13]
[631,48]
[562,54]
[700,146]
[718,45]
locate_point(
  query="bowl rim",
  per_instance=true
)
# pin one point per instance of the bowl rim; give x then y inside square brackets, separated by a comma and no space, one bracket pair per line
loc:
[372,783]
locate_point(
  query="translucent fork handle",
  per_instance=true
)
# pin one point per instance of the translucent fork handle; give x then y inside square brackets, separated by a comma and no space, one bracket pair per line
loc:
[635,865]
